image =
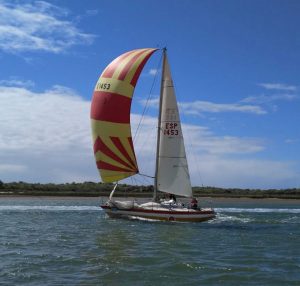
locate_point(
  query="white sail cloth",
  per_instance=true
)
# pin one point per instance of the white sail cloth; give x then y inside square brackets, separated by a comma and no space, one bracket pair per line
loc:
[172,174]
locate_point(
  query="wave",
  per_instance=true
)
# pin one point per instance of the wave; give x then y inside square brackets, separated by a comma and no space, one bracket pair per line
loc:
[257,210]
[49,208]
[225,218]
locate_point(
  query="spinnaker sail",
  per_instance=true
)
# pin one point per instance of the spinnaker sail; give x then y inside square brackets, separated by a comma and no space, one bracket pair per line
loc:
[110,116]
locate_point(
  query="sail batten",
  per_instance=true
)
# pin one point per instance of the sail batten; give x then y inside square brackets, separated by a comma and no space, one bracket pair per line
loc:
[110,115]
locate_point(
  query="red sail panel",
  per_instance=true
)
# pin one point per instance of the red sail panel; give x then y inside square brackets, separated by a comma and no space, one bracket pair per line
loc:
[110,107]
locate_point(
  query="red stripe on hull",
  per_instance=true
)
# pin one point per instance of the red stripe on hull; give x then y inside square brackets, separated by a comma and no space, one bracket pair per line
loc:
[100,146]
[119,145]
[166,211]
[110,107]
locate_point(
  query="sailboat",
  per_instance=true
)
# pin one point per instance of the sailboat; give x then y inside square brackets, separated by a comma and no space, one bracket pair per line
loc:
[114,149]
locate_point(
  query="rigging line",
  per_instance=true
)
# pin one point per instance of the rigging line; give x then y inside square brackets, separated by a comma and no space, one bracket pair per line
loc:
[138,182]
[134,181]
[144,175]
[145,178]
[149,97]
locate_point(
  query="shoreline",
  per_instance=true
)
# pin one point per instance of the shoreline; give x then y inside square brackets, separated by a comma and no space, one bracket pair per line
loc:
[204,198]
[143,195]
[91,189]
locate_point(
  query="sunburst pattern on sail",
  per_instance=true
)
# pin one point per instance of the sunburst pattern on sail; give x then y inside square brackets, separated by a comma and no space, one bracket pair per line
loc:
[110,115]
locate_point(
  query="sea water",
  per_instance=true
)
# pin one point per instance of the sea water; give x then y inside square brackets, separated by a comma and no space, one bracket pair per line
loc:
[70,241]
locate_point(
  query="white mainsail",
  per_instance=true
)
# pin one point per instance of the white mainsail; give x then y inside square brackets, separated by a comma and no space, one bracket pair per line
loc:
[172,167]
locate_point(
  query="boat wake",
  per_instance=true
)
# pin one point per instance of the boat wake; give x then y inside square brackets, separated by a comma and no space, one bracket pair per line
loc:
[257,210]
[229,218]
[143,219]
[253,215]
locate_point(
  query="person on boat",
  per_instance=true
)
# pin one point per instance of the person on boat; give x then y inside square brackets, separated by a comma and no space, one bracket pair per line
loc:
[194,204]
[173,197]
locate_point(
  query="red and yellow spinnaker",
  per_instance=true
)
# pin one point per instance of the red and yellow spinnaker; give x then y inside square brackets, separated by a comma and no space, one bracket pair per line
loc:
[110,115]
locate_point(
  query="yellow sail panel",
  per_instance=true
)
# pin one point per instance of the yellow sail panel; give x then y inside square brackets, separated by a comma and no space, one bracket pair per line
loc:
[114,176]
[110,115]
[116,86]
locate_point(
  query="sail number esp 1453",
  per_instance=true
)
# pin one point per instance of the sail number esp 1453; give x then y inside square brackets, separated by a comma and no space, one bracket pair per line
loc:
[171,129]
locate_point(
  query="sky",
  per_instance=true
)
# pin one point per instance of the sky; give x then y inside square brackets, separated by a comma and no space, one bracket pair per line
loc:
[235,66]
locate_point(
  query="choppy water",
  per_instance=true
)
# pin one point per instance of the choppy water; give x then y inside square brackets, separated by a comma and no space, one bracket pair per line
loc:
[50,241]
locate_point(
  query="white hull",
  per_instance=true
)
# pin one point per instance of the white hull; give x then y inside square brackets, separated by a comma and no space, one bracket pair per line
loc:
[161,213]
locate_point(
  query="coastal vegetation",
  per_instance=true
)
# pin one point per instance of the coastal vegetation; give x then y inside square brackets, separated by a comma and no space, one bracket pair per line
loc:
[100,189]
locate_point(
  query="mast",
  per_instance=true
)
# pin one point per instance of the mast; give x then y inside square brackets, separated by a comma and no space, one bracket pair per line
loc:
[159,123]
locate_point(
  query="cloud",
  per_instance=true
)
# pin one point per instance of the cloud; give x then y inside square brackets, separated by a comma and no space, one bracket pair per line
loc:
[153,71]
[278,86]
[39,26]
[244,173]
[48,133]
[204,141]
[223,161]
[261,99]
[91,12]
[11,168]
[199,107]
[14,81]
[45,137]
[283,93]
[249,104]
[153,103]
[33,121]
[291,141]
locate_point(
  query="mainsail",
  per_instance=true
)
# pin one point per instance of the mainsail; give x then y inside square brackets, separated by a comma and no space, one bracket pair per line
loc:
[110,115]
[172,168]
